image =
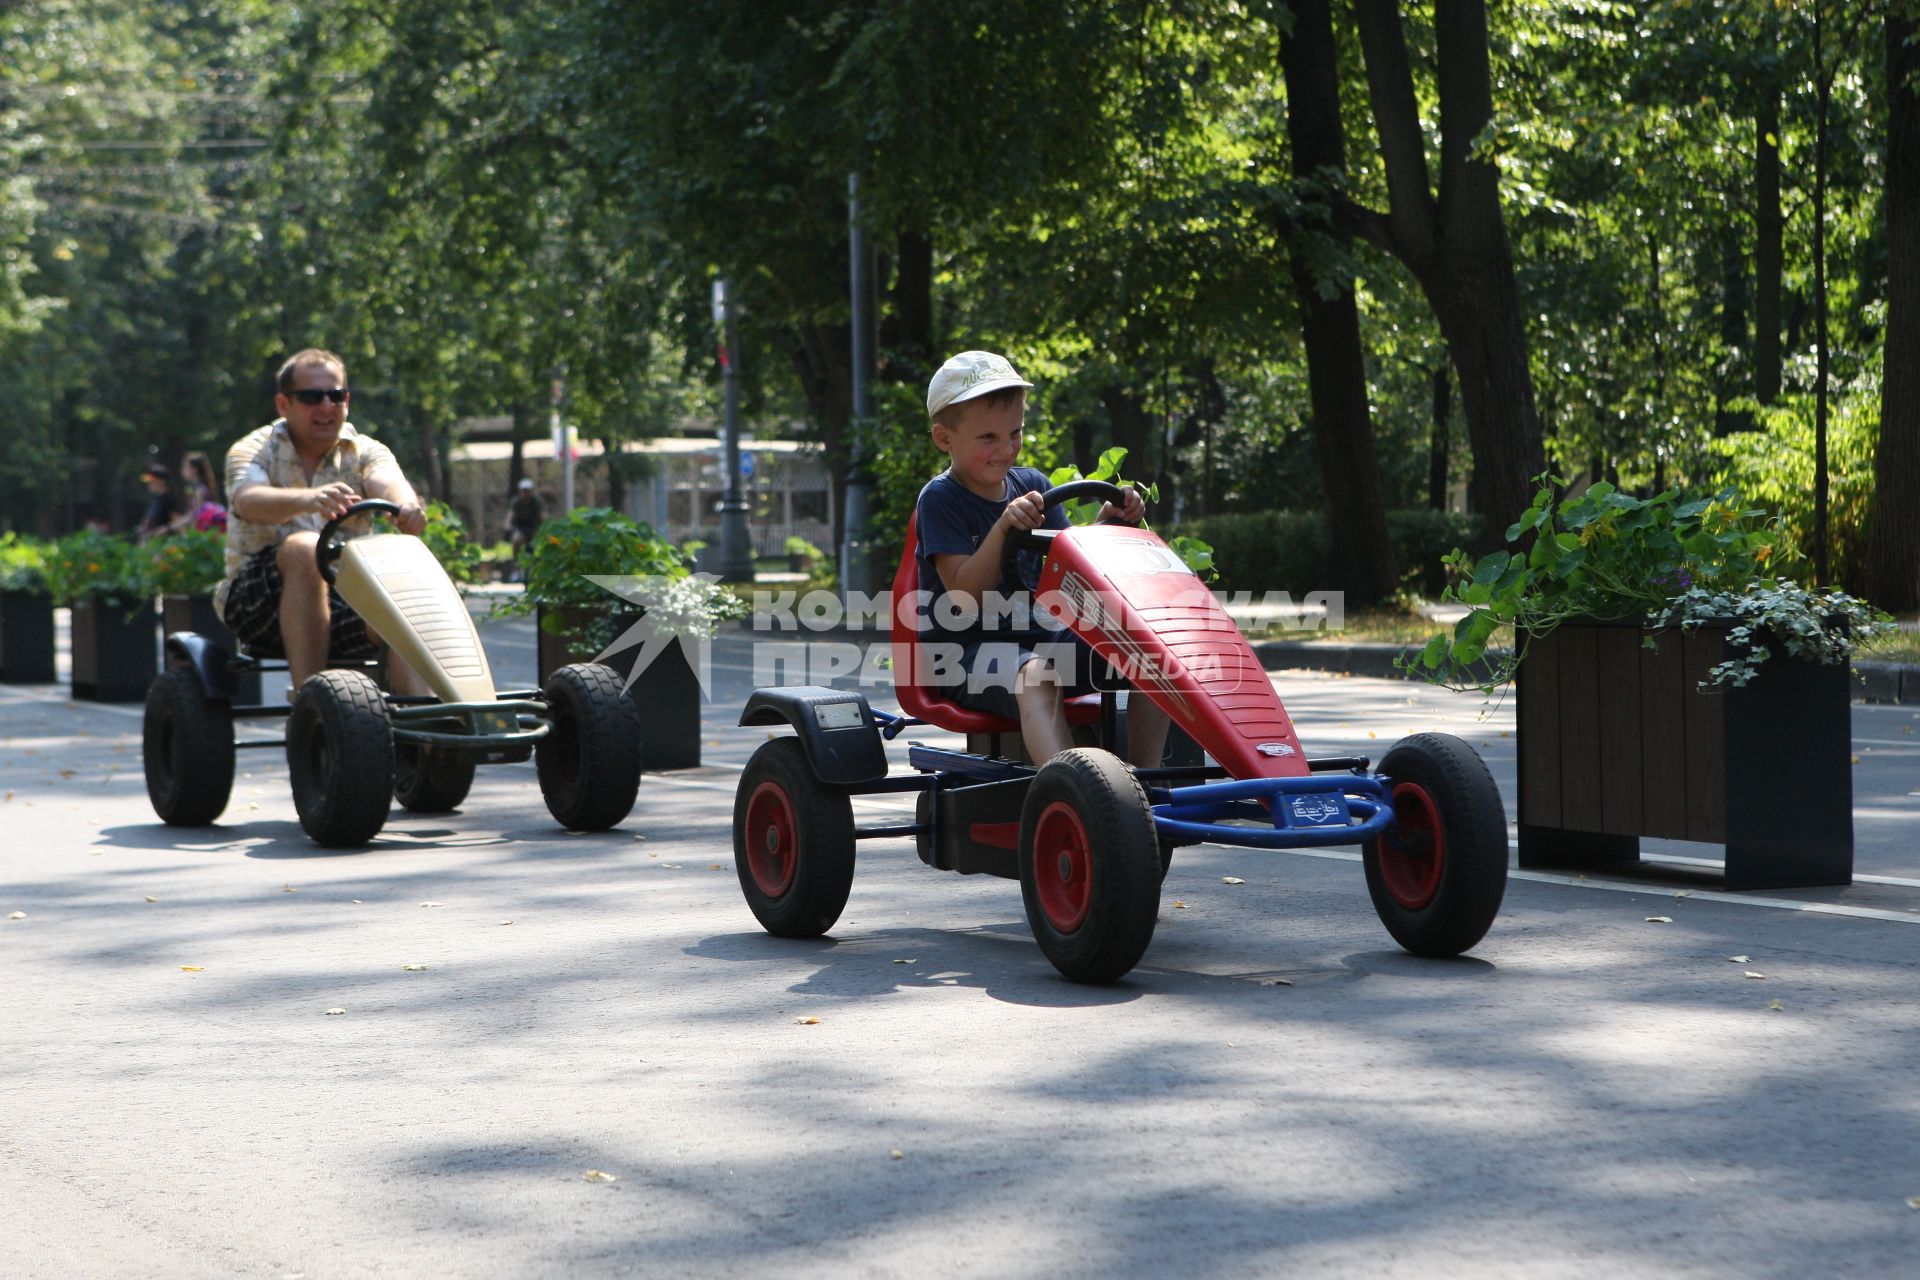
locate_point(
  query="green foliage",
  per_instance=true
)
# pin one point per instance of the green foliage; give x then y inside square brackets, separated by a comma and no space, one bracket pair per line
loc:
[446,536]
[90,565]
[188,563]
[1193,551]
[590,541]
[799,546]
[1601,554]
[1287,550]
[22,563]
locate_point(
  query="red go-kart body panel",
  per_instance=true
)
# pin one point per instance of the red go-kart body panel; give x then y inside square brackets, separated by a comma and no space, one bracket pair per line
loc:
[1125,592]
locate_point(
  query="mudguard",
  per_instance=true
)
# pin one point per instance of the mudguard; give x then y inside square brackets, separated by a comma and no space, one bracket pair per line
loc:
[209,661]
[835,726]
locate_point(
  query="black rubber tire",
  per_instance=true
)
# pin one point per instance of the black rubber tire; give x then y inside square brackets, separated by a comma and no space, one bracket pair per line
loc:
[431,779]
[1085,804]
[186,744]
[1446,909]
[589,762]
[340,756]
[794,833]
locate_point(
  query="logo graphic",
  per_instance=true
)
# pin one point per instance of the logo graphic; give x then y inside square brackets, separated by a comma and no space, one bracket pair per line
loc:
[682,611]
[1274,749]
[1316,809]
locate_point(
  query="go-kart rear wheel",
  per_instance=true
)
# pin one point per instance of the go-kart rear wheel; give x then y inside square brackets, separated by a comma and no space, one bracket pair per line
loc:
[186,743]
[340,756]
[1089,865]
[431,779]
[792,842]
[1438,874]
[589,762]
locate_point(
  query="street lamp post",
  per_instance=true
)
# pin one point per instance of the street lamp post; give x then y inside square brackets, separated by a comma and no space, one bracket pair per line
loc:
[736,546]
[856,568]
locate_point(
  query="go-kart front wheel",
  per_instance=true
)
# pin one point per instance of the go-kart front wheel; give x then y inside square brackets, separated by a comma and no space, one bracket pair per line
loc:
[589,762]
[792,842]
[340,756]
[186,744]
[1090,866]
[431,779]
[1437,875]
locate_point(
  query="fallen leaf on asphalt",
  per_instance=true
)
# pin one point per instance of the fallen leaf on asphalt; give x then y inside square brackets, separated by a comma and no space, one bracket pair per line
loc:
[151,898]
[898,1154]
[717,867]
[1775,1004]
[1276,982]
[1739,959]
[1179,904]
[1659,919]
[1372,734]
[639,837]
[808,1021]
[506,922]
[356,902]
[913,961]
[1683,893]
[430,904]
[254,805]
[193,968]
[335,1012]
[413,968]
[1751,974]
[9,793]
[669,866]
[287,888]
[18,915]
[68,773]
[1856,759]
[1231,880]
[1913,1202]
[597,1175]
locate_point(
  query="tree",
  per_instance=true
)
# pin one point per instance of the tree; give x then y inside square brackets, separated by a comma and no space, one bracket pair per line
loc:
[1893,549]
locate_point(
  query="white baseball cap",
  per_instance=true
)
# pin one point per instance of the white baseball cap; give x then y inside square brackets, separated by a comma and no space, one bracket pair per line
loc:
[970,374]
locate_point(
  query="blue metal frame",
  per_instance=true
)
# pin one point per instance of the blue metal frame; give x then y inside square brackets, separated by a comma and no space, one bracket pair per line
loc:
[1300,812]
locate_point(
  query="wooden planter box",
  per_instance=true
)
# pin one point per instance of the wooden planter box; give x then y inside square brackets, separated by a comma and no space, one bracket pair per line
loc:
[1617,741]
[26,638]
[196,614]
[667,692]
[115,654]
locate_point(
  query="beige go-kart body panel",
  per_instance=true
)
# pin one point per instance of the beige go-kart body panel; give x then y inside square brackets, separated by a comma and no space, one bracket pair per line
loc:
[394,583]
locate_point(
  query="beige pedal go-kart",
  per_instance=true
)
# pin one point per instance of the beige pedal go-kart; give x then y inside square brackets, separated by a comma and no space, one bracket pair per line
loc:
[353,749]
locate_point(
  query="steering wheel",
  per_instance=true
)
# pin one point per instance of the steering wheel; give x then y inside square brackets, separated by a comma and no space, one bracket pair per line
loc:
[1020,540]
[327,551]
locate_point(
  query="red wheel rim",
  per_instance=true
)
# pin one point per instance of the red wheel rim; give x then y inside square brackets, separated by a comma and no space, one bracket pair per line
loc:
[1413,853]
[773,840]
[1062,866]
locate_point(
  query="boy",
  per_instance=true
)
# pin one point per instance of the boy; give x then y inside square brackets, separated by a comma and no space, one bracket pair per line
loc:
[978,404]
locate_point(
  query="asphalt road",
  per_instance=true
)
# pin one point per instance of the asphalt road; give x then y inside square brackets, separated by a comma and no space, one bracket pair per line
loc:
[1277,1090]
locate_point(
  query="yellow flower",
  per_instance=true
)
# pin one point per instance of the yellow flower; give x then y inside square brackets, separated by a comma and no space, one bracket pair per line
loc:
[553,539]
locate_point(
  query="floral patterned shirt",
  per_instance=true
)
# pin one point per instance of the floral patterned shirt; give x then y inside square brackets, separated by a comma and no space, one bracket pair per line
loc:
[267,456]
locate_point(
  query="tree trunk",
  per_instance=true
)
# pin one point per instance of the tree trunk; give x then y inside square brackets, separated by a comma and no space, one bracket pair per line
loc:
[433,474]
[909,330]
[1359,554]
[1768,252]
[1437,439]
[1131,428]
[1893,549]
[823,358]
[1733,335]
[1456,245]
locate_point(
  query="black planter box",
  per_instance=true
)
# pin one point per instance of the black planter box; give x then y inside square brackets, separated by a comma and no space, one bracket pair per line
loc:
[114,650]
[26,638]
[196,614]
[667,692]
[1617,741]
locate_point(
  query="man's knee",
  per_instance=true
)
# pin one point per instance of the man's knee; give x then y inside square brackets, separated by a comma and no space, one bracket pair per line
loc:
[295,555]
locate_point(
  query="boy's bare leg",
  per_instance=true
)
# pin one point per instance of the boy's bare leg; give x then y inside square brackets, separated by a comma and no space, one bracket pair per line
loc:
[1146,731]
[1043,713]
[305,615]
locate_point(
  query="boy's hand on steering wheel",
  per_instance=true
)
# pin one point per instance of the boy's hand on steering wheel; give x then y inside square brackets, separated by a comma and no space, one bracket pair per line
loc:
[1028,511]
[1129,512]
[329,500]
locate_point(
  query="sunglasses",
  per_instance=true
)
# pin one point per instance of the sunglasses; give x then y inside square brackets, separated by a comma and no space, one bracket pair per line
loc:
[310,396]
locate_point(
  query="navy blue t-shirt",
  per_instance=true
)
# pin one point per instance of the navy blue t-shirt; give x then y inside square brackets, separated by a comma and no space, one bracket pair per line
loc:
[952,521]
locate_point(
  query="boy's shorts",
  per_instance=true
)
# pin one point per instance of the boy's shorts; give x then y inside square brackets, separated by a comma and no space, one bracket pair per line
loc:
[992,665]
[253,612]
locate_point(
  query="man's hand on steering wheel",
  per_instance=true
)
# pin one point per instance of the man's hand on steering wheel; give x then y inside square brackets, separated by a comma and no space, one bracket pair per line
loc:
[412,517]
[329,500]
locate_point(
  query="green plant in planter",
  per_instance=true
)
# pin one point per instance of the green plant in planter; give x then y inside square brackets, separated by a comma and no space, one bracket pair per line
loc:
[190,563]
[1197,554]
[90,565]
[23,564]
[1660,561]
[568,551]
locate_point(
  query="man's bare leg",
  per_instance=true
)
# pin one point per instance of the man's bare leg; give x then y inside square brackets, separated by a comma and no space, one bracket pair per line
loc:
[305,616]
[1146,731]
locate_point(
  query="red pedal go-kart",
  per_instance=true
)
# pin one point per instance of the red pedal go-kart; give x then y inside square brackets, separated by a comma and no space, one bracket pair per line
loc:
[1088,837]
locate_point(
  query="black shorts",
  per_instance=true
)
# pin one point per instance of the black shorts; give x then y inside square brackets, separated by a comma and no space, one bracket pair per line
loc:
[990,667]
[253,612]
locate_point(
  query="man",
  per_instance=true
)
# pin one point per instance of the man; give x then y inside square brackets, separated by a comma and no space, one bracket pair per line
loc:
[284,482]
[524,514]
[161,508]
